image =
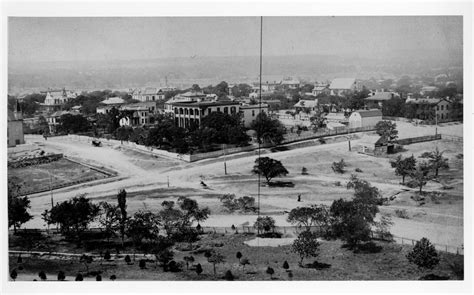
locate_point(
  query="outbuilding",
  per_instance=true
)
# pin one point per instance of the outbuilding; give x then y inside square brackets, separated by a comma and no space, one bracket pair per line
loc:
[364,118]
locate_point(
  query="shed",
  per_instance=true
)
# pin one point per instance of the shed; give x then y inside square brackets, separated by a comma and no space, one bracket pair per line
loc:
[365,118]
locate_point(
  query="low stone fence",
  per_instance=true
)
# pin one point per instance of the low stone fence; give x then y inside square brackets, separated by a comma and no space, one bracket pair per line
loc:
[411,140]
[34,161]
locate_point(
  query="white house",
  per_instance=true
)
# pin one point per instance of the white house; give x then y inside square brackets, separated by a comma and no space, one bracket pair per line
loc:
[305,105]
[364,118]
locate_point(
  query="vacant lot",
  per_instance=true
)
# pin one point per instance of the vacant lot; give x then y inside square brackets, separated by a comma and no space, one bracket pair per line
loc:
[343,264]
[55,174]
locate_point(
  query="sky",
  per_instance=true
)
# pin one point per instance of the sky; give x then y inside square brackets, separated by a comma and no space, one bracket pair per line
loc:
[33,39]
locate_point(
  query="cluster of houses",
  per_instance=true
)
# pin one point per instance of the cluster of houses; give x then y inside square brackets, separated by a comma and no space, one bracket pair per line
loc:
[191,107]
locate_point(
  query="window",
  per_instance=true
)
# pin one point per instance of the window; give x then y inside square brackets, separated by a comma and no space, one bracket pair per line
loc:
[208,111]
[176,111]
[437,108]
[442,115]
[218,109]
[442,107]
[253,113]
[232,110]
[447,107]
[191,112]
[226,110]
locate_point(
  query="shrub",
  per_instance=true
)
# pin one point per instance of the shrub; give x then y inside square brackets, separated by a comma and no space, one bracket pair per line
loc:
[142,264]
[457,267]
[113,277]
[98,278]
[358,170]
[127,259]
[402,213]
[19,259]
[337,183]
[424,254]
[338,167]
[270,271]
[286,266]
[13,274]
[304,171]
[290,275]
[244,262]
[228,276]
[107,255]
[42,275]
[198,268]
[238,255]
[79,278]
[61,276]
[322,140]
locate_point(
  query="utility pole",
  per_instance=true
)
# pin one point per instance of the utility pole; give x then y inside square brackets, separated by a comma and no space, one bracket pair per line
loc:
[168,180]
[51,188]
[225,164]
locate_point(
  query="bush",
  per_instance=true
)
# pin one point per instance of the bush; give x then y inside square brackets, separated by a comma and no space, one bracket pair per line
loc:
[304,171]
[286,266]
[61,276]
[338,167]
[424,254]
[322,140]
[270,271]
[98,278]
[198,268]
[270,235]
[113,277]
[107,255]
[358,170]
[142,264]
[79,278]
[127,259]
[337,183]
[13,274]
[402,213]
[42,275]
[228,276]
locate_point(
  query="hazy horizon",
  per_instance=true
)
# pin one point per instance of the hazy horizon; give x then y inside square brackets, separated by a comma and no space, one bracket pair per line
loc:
[53,39]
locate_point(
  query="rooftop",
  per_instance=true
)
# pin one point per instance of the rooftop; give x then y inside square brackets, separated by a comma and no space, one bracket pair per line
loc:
[113,100]
[369,113]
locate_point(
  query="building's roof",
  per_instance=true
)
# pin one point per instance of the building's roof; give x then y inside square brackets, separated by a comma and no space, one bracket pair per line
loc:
[369,113]
[60,113]
[320,87]
[429,88]
[306,103]
[150,91]
[113,100]
[381,96]
[206,103]
[253,106]
[342,83]
[290,82]
[432,101]
[134,108]
[192,94]
[138,105]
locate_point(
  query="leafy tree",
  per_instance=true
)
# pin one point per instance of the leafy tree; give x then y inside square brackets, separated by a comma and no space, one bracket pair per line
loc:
[317,121]
[61,276]
[365,192]
[387,129]
[221,128]
[269,168]
[436,160]
[188,259]
[73,216]
[123,133]
[42,275]
[109,219]
[269,130]
[286,266]
[73,123]
[238,255]
[215,258]
[127,259]
[394,107]
[13,274]
[270,271]
[113,277]
[306,245]
[421,175]
[404,167]
[352,220]
[86,260]
[315,215]
[265,224]
[338,167]
[382,228]
[424,254]
[198,268]
[17,206]
[122,204]
[192,212]
[107,255]
[171,218]
[144,225]
[357,100]
[98,278]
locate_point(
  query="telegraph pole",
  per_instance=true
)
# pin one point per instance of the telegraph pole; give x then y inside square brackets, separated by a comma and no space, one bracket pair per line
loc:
[225,164]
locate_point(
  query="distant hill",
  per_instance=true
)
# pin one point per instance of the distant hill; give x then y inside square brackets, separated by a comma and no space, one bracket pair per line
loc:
[182,72]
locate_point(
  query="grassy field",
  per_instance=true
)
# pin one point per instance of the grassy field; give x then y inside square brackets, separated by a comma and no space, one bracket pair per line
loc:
[389,264]
[62,173]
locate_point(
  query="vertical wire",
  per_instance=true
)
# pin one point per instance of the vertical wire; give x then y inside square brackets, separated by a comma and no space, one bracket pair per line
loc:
[260,118]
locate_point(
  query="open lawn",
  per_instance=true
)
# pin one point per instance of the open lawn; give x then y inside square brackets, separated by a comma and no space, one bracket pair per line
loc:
[389,264]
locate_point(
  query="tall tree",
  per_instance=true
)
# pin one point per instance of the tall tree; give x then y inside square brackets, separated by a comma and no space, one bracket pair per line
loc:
[269,130]
[404,167]
[306,245]
[17,206]
[122,204]
[436,160]
[109,219]
[421,175]
[424,254]
[269,168]
[387,129]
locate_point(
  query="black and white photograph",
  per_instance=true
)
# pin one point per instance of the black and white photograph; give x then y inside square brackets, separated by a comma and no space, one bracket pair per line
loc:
[249,146]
